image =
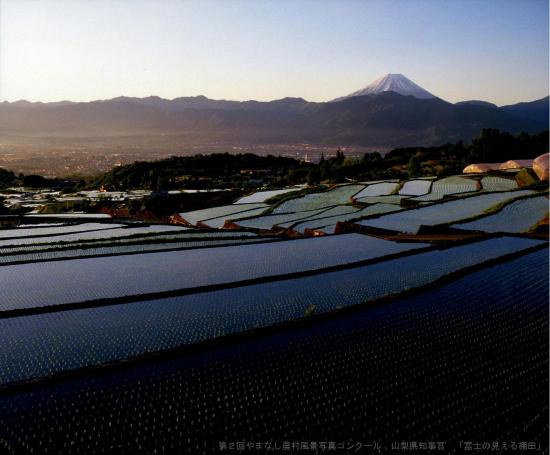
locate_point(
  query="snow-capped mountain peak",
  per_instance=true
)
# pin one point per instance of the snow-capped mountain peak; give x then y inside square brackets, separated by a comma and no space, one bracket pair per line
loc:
[391,83]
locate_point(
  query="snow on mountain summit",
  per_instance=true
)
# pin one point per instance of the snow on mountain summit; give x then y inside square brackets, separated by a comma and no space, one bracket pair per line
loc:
[391,83]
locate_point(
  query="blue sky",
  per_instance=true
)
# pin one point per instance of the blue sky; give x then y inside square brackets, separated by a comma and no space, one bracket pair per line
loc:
[50,50]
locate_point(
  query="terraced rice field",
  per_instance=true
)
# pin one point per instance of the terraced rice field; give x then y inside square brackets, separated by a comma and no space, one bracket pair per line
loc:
[338,211]
[519,216]
[94,235]
[322,222]
[216,212]
[427,340]
[268,221]
[262,196]
[13,255]
[497,183]
[481,360]
[378,189]
[41,284]
[392,199]
[415,187]
[68,216]
[336,196]
[72,339]
[217,223]
[41,231]
[56,243]
[410,221]
[448,185]
[40,225]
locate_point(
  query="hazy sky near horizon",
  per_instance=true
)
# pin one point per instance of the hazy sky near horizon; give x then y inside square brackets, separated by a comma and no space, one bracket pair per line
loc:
[82,50]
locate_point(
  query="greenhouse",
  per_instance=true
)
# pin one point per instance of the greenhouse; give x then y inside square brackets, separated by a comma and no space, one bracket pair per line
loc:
[540,166]
[516,164]
[481,168]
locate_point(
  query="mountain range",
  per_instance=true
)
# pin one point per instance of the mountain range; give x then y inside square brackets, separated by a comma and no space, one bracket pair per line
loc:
[392,111]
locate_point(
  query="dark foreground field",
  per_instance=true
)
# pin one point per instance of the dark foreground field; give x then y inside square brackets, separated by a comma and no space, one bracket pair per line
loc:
[463,364]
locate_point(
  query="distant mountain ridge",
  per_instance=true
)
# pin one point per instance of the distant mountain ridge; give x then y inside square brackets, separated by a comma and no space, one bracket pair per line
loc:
[534,110]
[383,119]
[476,103]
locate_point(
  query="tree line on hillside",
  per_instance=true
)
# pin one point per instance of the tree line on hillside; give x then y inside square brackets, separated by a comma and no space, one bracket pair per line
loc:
[247,171]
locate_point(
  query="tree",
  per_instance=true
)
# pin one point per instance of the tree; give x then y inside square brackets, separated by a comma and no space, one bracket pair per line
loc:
[3,209]
[35,181]
[413,168]
[313,177]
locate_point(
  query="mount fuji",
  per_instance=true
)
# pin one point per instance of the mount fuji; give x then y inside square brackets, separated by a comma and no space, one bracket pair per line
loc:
[391,83]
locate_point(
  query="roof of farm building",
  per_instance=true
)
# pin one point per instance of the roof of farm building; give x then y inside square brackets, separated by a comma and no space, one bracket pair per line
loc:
[478,168]
[540,166]
[516,164]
